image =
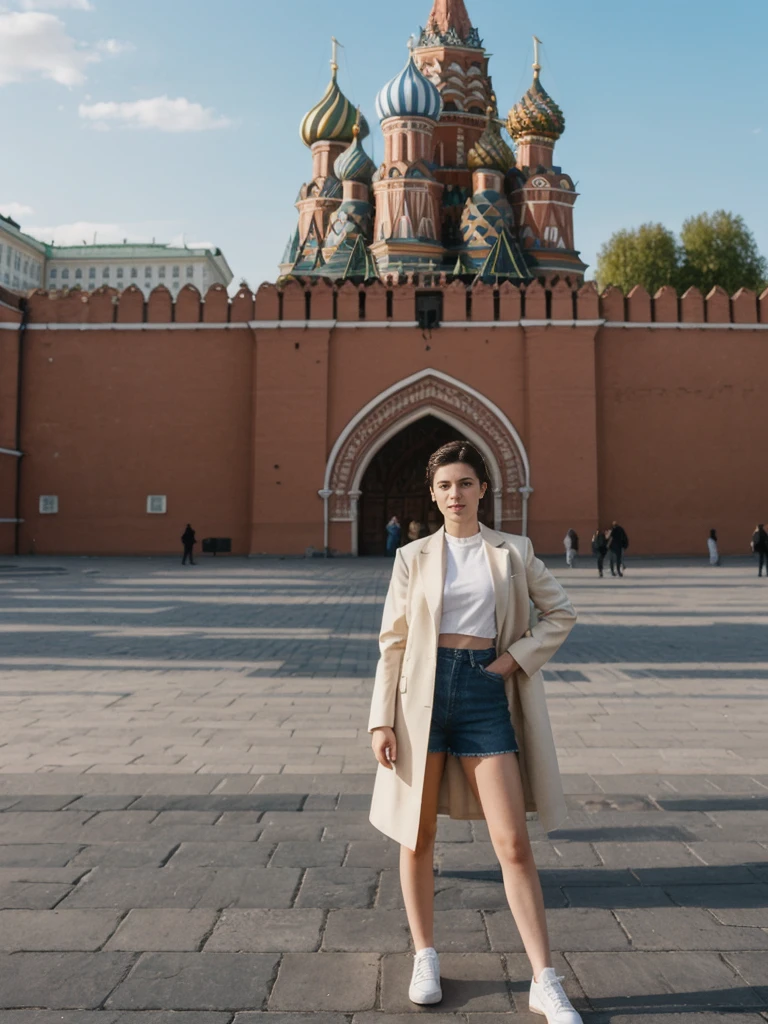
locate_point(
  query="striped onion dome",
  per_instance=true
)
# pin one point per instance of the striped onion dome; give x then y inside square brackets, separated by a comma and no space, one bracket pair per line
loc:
[536,114]
[491,152]
[354,164]
[409,94]
[333,119]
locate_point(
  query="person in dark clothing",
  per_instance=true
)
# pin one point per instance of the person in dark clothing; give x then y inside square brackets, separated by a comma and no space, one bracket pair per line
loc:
[760,548]
[599,549]
[188,540]
[393,535]
[617,544]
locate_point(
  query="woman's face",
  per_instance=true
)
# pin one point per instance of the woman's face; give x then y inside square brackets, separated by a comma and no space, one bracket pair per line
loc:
[457,491]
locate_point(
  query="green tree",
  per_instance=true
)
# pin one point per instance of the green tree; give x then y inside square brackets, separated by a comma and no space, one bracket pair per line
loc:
[648,255]
[719,248]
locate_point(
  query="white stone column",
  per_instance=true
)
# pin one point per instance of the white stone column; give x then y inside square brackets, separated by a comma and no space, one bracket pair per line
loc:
[526,492]
[325,495]
[354,498]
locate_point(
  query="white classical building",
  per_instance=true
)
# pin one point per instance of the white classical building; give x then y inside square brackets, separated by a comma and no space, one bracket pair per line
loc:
[26,263]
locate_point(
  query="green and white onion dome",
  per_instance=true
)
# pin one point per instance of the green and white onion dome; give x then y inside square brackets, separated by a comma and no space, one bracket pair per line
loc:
[332,119]
[354,164]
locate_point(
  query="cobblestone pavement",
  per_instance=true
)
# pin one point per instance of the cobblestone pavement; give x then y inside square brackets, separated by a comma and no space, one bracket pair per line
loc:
[185,777]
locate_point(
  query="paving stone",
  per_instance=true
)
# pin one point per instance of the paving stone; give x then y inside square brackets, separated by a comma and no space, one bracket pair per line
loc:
[754,895]
[44,826]
[289,1018]
[725,852]
[127,855]
[104,802]
[199,981]
[161,931]
[221,802]
[646,855]
[308,855]
[41,930]
[37,855]
[270,835]
[45,802]
[126,888]
[377,854]
[377,1017]
[753,968]
[266,931]
[617,896]
[471,982]
[519,972]
[66,980]
[686,928]
[336,887]
[460,931]
[658,980]
[31,895]
[68,875]
[366,931]
[326,981]
[570,929]
[240,855]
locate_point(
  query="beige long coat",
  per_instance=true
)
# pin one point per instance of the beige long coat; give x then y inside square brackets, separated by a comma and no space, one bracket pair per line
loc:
[405,680]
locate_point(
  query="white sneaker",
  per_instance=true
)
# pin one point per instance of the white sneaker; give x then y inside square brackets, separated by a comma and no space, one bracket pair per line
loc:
[425,983]
[548,998]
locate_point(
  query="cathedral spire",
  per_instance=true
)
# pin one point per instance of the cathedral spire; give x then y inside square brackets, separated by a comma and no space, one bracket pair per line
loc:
[449,14]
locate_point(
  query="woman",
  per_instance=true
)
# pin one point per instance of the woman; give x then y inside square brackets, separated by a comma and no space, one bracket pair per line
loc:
[571,544]
[599,549]
[459,665]
[414,530]
[714,554]
[393,535]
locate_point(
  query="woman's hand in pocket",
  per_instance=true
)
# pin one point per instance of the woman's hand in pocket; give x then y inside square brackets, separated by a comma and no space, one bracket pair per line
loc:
[504,665]
[384,745]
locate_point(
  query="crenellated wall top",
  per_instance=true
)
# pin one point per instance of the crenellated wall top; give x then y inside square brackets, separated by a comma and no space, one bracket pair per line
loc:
[296,302]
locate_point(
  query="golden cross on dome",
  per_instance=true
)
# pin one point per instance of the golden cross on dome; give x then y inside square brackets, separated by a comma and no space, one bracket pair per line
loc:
[536,66]
[335,44]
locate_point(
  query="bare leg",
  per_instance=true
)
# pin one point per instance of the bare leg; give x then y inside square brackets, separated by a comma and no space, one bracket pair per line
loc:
[416,867]
[497,785]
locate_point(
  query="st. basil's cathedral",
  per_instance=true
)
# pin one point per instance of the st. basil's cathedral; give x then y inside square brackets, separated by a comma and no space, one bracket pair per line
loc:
[451,196]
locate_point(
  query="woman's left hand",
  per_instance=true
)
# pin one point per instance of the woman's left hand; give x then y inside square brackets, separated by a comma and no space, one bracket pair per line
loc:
[504,665]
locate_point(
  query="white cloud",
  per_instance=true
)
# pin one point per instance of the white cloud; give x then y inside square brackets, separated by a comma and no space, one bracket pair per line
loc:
[178,241]
[34,44]
[113,47]
[56,5]
[15,210]
[163,113]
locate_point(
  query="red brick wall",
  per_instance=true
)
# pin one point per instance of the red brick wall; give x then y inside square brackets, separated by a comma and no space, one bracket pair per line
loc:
[654,425]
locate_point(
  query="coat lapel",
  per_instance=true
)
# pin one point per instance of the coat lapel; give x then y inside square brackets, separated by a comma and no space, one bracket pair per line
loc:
[498,559]
[432,563]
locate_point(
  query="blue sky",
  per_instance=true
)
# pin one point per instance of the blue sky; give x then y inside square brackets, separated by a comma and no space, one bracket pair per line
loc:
[179,118]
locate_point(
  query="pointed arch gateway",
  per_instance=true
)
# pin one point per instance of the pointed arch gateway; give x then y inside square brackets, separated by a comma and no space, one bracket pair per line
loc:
[428,393]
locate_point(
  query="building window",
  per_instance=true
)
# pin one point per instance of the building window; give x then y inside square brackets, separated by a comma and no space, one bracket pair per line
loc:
[53,274]
[176,271]
[7,277]
[48,504]
[26,267]
[78,274]
[1,252]
[17,261]
[147,271]
[157,504]
[65,274]
[15,281]
[161,272]
[429,310]
[8,256]
[91,273]
[190,271]
[105,273]
[134,271]
[120,272]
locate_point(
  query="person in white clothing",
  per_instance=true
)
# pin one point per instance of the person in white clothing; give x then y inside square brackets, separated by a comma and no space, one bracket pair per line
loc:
[470,717]
[571,545]
[714,554]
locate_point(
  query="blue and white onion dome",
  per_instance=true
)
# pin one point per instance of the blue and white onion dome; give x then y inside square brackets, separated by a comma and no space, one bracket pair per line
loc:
[409,94]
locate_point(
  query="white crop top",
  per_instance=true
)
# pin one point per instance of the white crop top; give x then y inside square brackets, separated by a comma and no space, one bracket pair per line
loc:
[469,600]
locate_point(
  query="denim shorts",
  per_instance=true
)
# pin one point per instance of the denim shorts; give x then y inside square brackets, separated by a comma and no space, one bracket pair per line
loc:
[470,715]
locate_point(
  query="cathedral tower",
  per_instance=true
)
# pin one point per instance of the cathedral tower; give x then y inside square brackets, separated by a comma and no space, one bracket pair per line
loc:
[408,195]
[545,196]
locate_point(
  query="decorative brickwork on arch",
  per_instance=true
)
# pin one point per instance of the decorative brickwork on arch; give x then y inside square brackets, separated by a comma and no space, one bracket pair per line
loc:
[431,394]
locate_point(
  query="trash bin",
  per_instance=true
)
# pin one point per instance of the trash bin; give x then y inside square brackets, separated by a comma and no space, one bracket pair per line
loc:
[217,545]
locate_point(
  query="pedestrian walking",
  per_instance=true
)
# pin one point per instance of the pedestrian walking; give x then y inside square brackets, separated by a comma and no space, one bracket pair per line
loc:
[189,541]
[458,717]
[571,544]
[760,548]
[599,549]
[714,554]
[393,535]
[618,542]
